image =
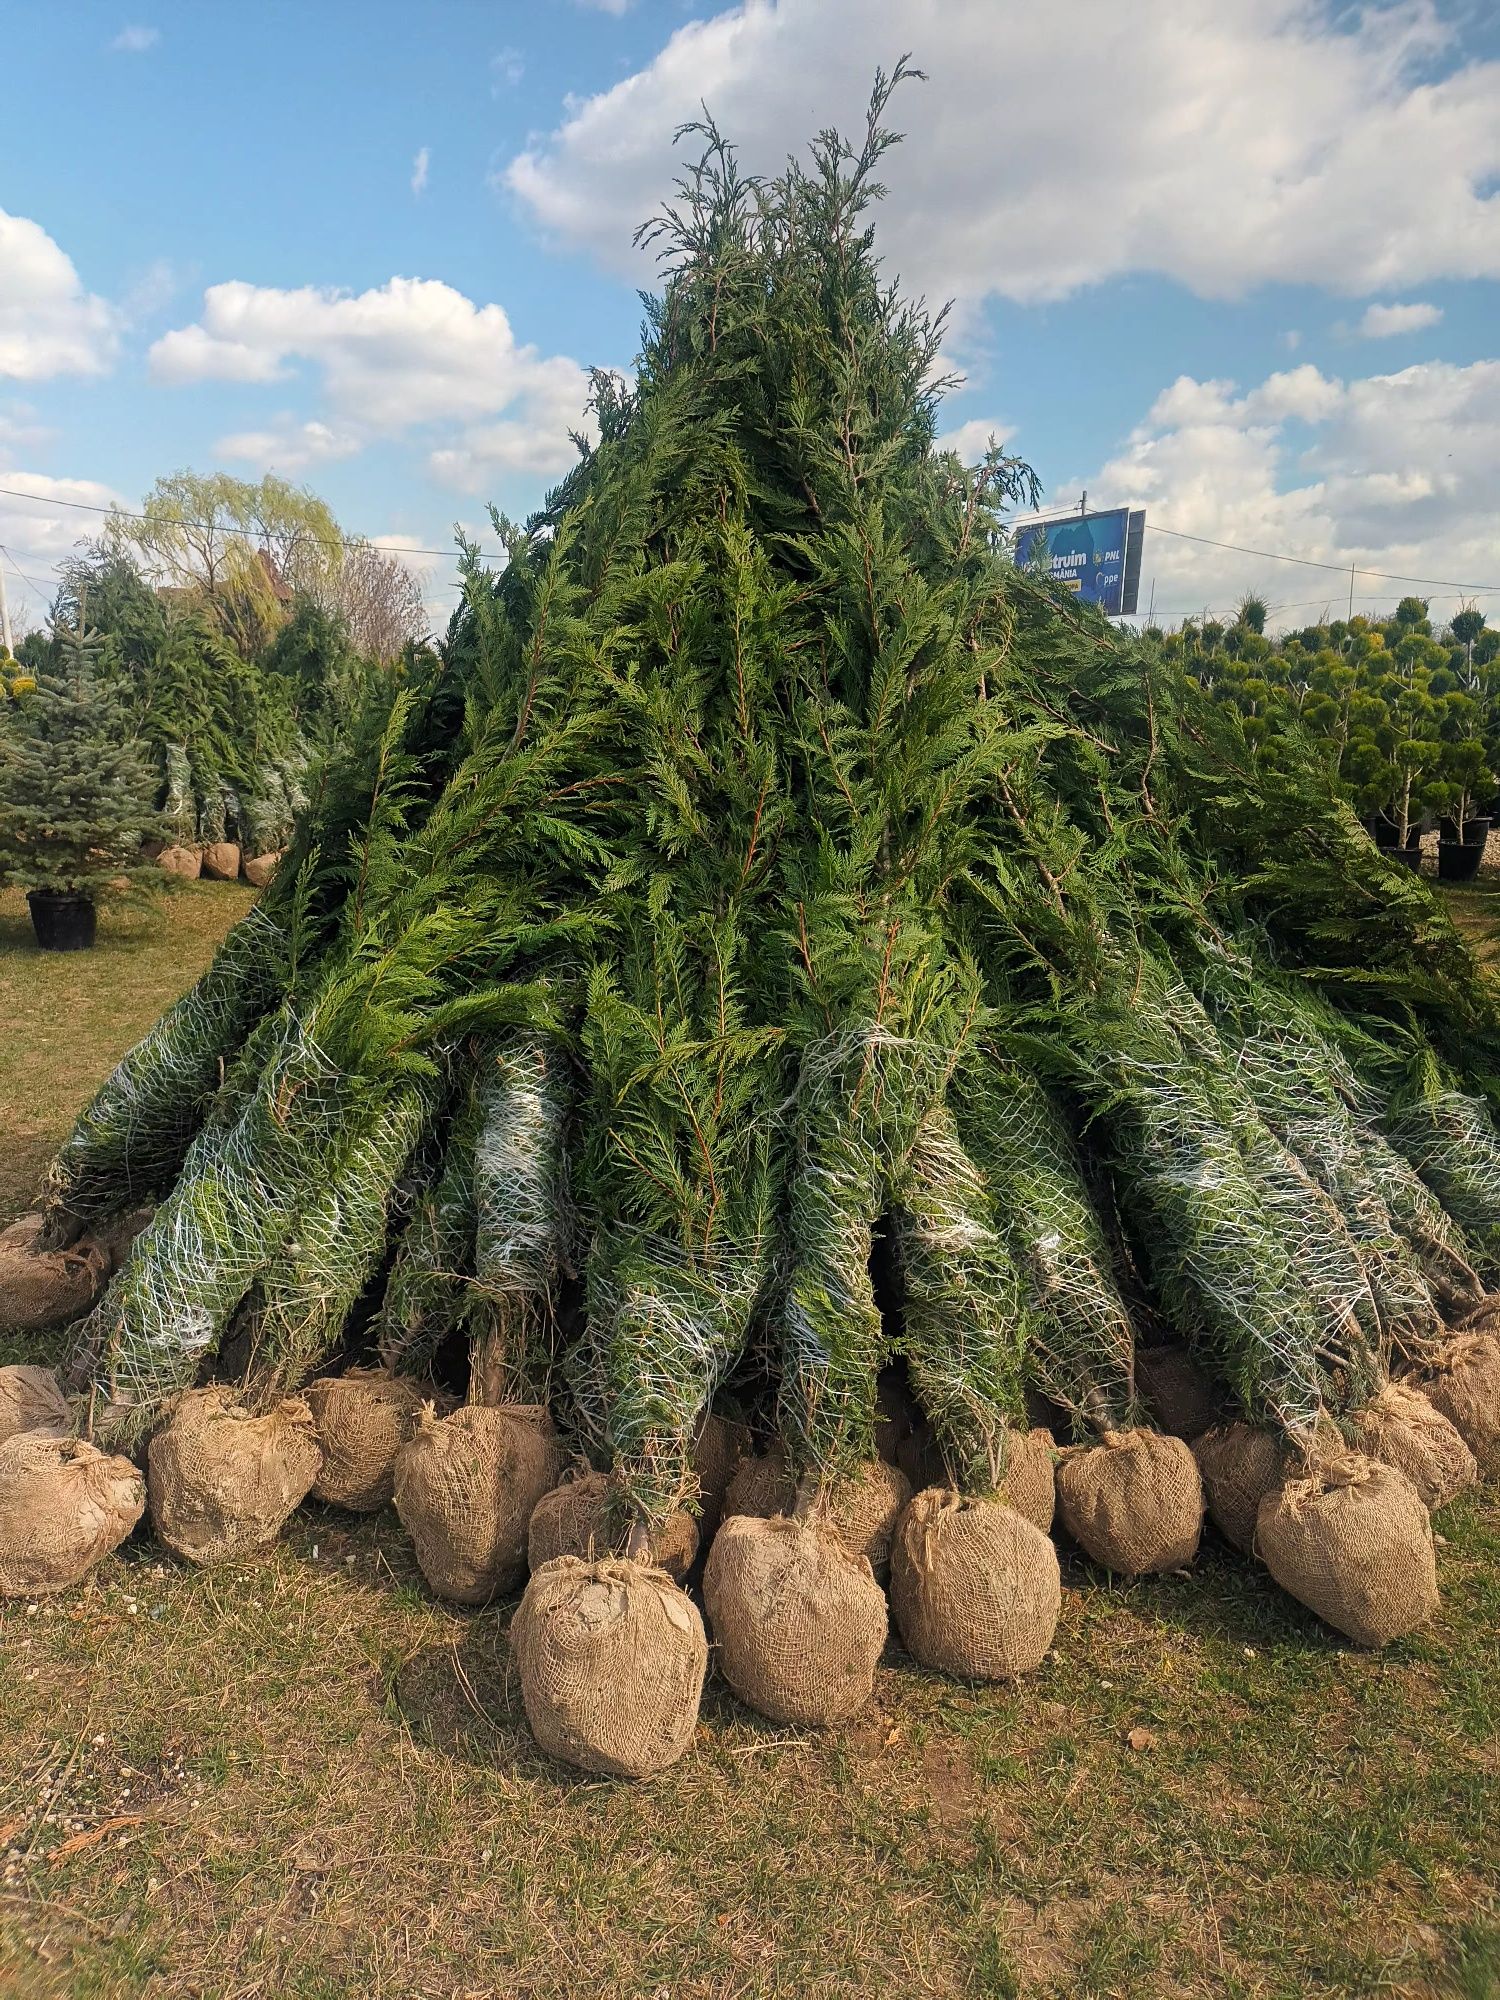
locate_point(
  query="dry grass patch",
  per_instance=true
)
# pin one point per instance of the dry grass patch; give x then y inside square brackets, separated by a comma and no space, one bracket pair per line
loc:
[69,1017]
[303,1778]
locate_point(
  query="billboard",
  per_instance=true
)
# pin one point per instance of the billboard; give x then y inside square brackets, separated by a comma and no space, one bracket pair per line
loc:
[1096,555]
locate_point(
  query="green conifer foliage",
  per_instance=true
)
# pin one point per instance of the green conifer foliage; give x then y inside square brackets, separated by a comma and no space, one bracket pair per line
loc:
[75,791]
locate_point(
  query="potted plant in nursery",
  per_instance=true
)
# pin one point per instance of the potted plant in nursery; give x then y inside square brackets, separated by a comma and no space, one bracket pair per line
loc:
[75,796]
[1464,777]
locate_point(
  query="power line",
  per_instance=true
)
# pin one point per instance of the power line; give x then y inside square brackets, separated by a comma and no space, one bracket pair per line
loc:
[217,528]
[1339,569]
[1152,527]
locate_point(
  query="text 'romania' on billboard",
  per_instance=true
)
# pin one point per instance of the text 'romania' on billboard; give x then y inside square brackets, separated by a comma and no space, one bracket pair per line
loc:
[1096,555]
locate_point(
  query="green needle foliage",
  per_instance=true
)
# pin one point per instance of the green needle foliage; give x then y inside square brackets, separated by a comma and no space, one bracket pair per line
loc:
[764,872]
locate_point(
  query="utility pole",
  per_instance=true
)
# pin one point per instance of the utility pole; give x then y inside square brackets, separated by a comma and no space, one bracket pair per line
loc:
[4,611]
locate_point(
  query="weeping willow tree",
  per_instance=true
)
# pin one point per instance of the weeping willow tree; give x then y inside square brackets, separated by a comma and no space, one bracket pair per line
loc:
[767,871]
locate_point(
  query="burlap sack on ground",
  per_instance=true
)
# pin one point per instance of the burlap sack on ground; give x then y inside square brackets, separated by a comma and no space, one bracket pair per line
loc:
[611,1657]
[363,1417]
[1181,1398]
[43,1289]
[578,1518]
[1404,1428]
[223,1482]
[718,1450]
[862,1510]
[1239,1465]
[30,1400]
[63,1505]
[974,1587]
[798,1621]
[259,868]
[465,1489]
[184,861]
[1352,1541]
[762,1485]
[1029,1481]
[1463,1382]
[1134,1503]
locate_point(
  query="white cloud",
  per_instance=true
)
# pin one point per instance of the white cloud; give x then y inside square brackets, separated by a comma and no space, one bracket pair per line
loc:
[1380,322]
[507,67]
[49,325]
[289,446]
[410,354]
[419,168]
[972,440]
[615,7]
[134,41]
[1258,140]
[21,432]
[1397,473]
[39,537]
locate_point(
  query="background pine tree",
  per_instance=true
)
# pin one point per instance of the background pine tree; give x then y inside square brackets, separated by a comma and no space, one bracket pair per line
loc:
[75,790]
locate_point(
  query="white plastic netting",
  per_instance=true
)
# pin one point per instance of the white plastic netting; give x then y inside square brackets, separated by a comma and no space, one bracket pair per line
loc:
[129,1143]
[243,1187]
[1080,1350]
[963,1317]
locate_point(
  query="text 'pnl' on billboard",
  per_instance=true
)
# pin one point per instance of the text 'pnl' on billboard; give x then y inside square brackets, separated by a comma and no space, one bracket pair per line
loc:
[1098,556]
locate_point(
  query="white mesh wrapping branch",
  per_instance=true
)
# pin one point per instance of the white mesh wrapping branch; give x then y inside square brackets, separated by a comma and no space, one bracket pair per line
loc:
[1225,1257]
[129,1143]
[859,1099]
[427,1292]
[1414,1253]
[665,1326]
[1081,1347]
[241,1190]
[963,1314]
[1285,1077]
[1324,1255]
[179,810]
[334,1247]
[523,1217]
[1451,1141]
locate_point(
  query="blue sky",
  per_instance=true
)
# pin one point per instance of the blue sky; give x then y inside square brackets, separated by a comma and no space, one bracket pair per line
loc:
[1238,263]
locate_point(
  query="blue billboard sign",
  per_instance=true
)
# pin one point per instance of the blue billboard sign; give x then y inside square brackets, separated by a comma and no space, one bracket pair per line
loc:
[1098,556]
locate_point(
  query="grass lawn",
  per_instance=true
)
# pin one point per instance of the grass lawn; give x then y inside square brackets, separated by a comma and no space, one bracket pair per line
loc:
[304,1778]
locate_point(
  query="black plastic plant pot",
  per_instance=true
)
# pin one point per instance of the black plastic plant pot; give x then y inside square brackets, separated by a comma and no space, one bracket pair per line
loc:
[1410,857]
[1459,862]
[61,922]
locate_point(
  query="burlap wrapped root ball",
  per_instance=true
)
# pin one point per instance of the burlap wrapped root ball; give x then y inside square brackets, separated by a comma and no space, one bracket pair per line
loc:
[1029,1480]
[798,1621]
[1239,1465]
[40,1289]
[223,1481]
[465,1488]
[1351,1539]
[30,1400]
[363,1417]
[64,1505]
[719,1449]
[584,1517]
[1402,1427]
[1134,1502]
[862,1509]
[611,1657]
[1463,1382]
[975,1587]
